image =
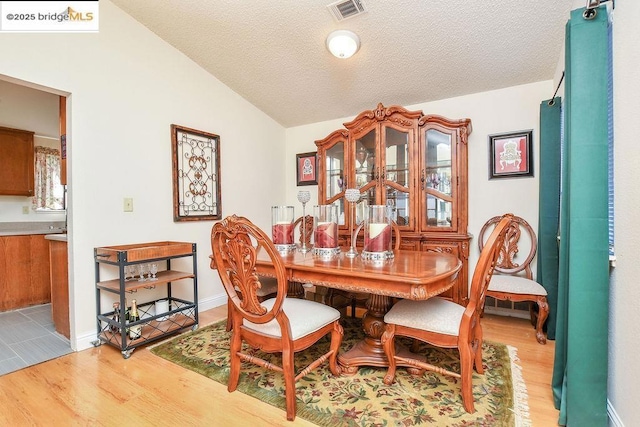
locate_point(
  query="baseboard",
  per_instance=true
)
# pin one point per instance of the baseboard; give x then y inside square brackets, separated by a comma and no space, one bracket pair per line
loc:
[613,415]
[87,339]
[521,314]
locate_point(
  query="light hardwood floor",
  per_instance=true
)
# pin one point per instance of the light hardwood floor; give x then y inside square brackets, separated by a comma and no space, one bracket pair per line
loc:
[97,387]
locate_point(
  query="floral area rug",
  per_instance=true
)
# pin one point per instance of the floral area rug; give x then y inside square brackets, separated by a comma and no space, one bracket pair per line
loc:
[363,399]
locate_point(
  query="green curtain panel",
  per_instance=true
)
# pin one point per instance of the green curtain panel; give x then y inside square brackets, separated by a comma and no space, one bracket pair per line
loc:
[549,206]
[580,366]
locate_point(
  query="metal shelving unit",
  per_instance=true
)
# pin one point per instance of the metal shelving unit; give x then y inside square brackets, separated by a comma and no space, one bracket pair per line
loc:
[181,313]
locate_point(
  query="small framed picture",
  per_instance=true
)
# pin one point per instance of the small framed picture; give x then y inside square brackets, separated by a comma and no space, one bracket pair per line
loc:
[511,155]
[307,168]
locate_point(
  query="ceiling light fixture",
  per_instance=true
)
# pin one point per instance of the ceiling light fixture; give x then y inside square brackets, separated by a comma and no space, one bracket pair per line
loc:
[343,43]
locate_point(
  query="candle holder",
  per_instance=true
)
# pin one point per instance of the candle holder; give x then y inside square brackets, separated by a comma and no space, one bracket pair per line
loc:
[282,228]
[352,195]
[304,197]
[377,233]
[325,241]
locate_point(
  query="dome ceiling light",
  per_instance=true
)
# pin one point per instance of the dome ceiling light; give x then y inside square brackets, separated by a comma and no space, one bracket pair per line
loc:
[343,43]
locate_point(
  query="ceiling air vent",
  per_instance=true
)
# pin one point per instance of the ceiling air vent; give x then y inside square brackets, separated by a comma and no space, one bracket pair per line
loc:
[344,9]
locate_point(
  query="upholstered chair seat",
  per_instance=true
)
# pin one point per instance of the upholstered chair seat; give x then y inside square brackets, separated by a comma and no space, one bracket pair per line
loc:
[301,322]
[436,314]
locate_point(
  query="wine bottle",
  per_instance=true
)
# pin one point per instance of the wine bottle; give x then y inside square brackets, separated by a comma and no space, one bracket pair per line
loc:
[135,331]
[116,318]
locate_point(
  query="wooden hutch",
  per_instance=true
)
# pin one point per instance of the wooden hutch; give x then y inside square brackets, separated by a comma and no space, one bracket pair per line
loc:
[414,162]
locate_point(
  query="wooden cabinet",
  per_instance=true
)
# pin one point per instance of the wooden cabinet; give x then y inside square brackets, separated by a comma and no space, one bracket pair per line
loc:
[16,162]
[414,162]
[177,312]
[59,277]
[24,271]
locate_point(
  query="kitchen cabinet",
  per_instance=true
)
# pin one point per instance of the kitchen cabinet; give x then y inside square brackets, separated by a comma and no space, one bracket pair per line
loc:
[17,168]
[24,271]
[414,162]
[177,313]
[59,277]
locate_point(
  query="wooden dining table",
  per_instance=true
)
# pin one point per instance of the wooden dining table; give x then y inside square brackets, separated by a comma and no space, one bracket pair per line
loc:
[414,275]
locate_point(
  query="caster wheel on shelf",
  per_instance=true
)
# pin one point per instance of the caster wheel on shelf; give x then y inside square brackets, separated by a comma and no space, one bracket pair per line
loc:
[96,343]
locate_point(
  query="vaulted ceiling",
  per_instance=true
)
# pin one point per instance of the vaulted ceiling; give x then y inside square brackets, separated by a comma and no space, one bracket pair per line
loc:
[273,53]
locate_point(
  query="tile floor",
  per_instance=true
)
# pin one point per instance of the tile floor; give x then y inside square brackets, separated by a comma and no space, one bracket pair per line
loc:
[27,337]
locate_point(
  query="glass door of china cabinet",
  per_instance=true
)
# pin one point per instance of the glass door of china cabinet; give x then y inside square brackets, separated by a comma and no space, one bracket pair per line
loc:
[332,161]
[382,159]
[438,180]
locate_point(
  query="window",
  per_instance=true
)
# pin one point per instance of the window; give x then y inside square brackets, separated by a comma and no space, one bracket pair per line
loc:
[49,193]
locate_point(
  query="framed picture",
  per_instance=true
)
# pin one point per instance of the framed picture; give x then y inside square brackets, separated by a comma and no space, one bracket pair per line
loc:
[196,174]
[511,155]
[307,168]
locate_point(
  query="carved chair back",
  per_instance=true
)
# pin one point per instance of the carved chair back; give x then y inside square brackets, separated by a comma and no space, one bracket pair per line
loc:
[235,242]
[489,257]
[519,236]
[307,226]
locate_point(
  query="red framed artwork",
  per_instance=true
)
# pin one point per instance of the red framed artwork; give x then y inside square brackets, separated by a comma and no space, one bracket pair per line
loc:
[307,168]
[511,155]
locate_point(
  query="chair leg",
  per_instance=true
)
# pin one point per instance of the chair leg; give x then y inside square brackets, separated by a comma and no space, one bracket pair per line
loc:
[388,343]
[228,327]
[477,350]
[289,382]
[543,313]
[466,371]
[235,346]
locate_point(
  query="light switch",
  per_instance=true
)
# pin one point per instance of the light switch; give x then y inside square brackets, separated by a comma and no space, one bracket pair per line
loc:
[128,204]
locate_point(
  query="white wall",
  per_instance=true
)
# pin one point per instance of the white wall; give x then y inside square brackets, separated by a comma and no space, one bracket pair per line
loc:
[505,110]
[126,87]
[624,322]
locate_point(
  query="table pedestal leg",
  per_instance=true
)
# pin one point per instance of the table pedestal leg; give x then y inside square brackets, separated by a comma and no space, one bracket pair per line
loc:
[369,351]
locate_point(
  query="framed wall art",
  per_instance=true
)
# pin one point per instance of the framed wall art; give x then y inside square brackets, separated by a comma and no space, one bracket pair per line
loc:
[307,168]
[511,155]
[196,174]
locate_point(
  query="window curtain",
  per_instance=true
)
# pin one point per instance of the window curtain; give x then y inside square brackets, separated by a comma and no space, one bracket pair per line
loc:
[581,354]
[48,190]
[549,205]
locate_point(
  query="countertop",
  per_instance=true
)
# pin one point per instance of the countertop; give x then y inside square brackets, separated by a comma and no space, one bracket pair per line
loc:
[33,227]
[56,237]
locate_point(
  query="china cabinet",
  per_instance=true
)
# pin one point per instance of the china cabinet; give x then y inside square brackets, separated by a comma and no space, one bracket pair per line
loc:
[414,162]
[139,267]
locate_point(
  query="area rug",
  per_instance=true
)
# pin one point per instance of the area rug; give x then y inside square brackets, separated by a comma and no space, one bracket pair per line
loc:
[363,399]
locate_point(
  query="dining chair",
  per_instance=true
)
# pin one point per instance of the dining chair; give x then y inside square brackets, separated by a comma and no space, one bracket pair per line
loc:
[358,299]
[269,285]
[513,280]
[443,323]
[277,325]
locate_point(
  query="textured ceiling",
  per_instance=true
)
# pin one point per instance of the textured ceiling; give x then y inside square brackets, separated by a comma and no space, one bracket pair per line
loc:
[412,51]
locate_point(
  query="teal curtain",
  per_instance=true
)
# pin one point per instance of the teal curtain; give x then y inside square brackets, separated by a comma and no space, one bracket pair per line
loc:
[580,366]
[549,206]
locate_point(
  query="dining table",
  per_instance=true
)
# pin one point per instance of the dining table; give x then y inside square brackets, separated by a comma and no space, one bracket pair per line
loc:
[416,275]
